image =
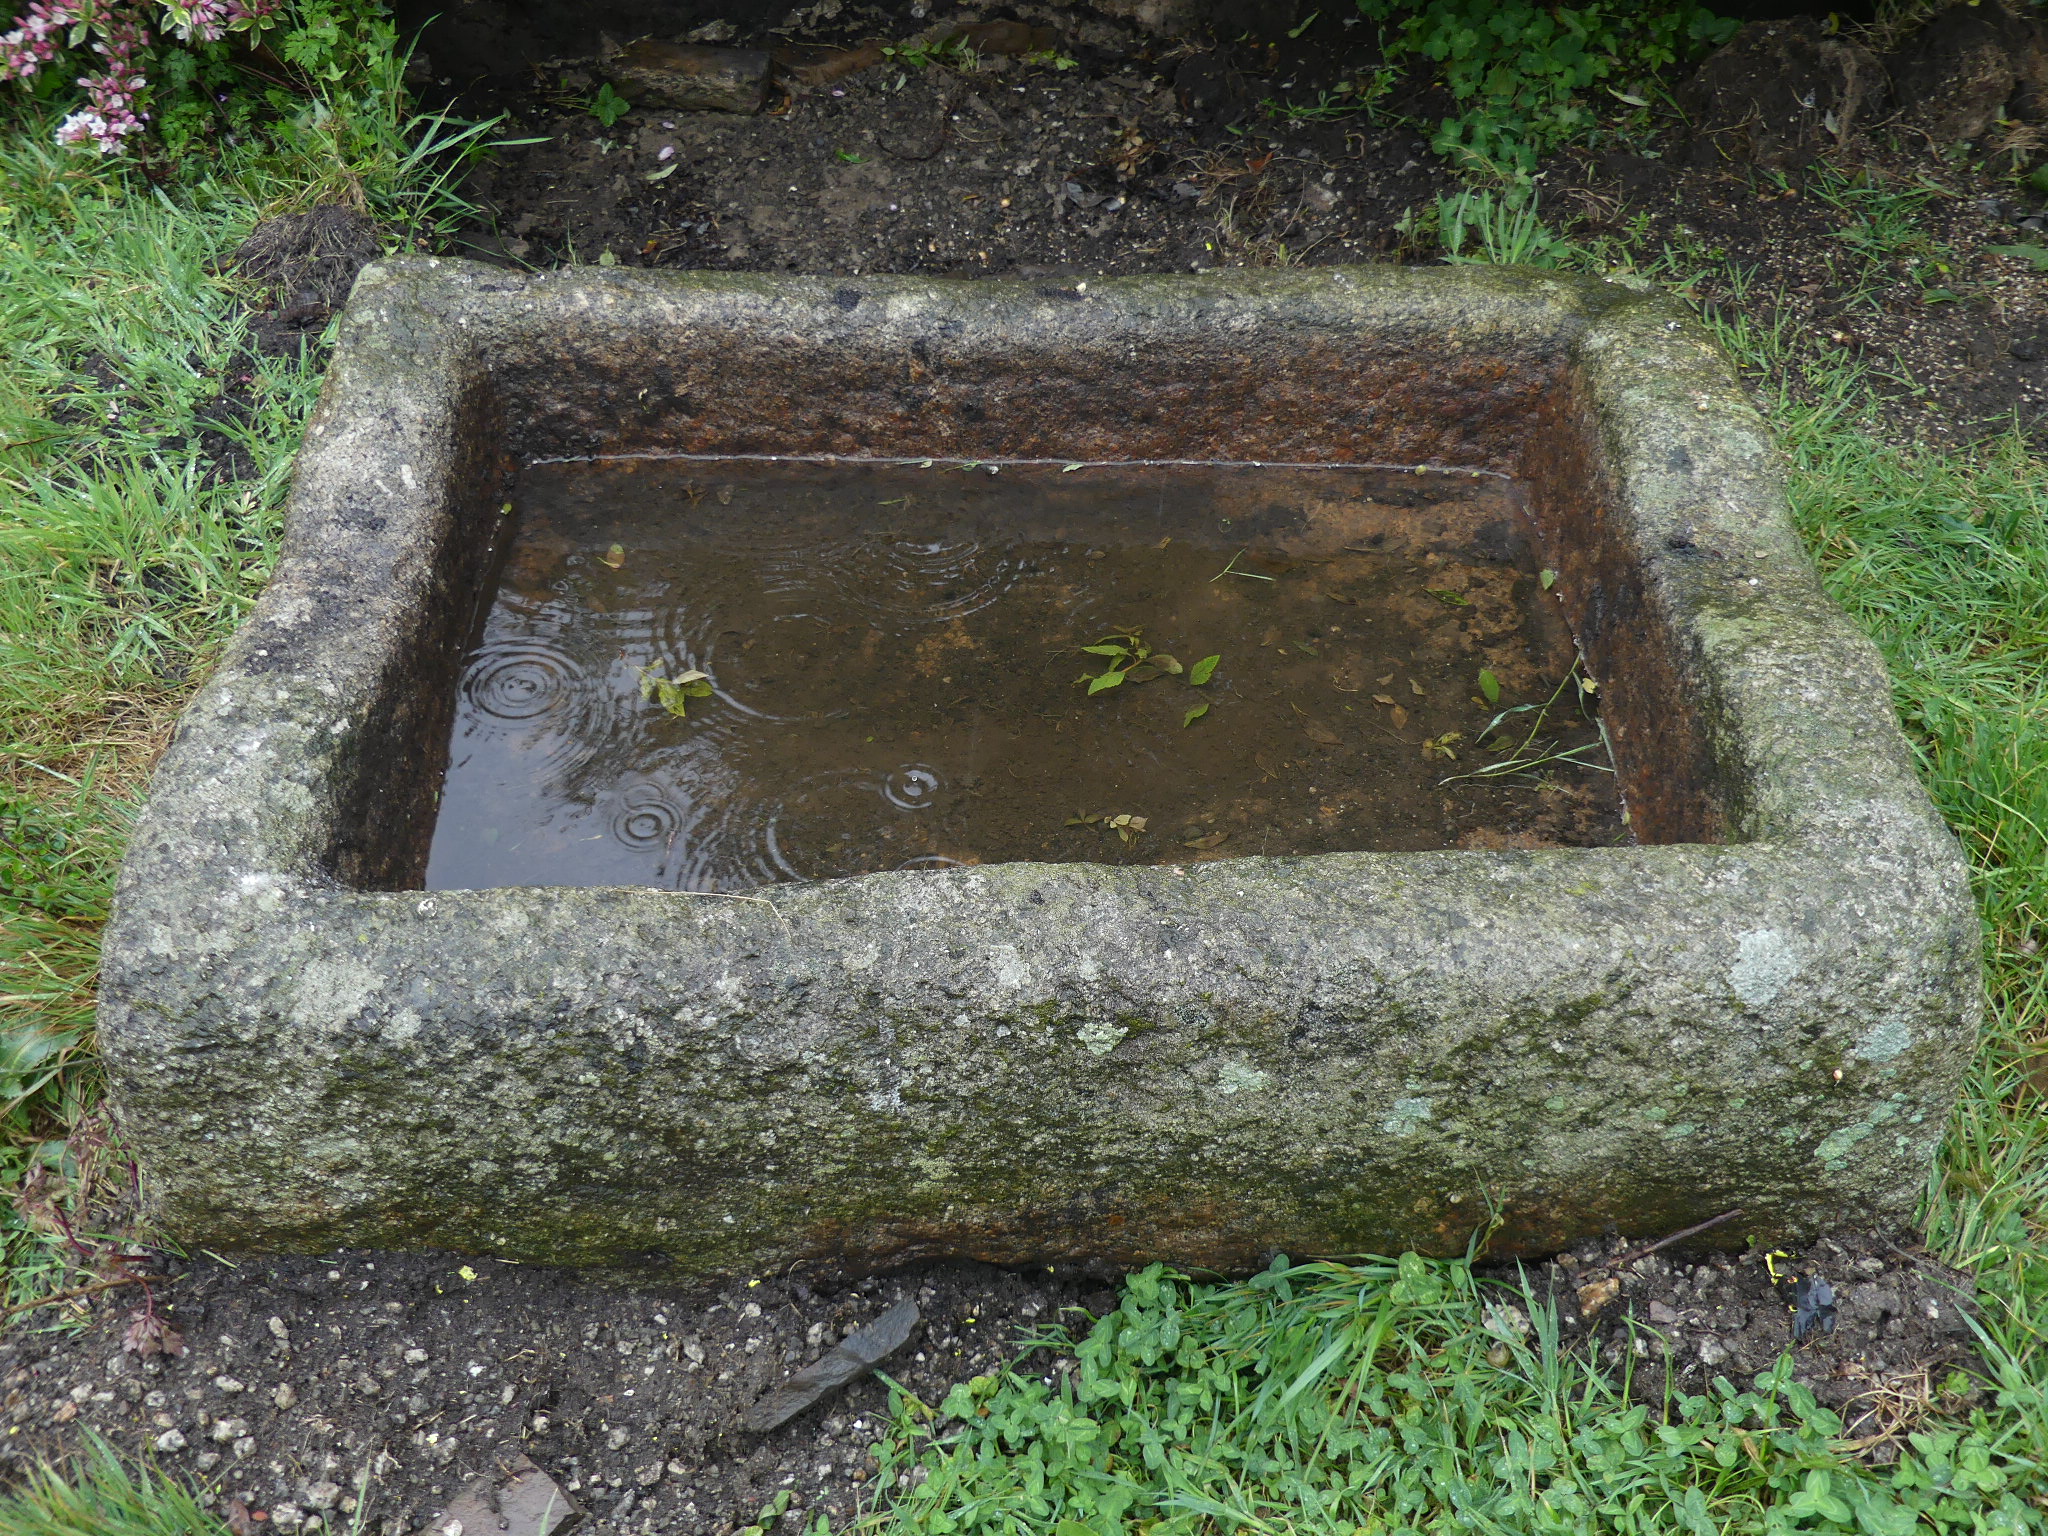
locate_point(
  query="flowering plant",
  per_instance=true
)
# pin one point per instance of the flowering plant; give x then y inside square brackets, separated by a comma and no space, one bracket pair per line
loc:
[50,34]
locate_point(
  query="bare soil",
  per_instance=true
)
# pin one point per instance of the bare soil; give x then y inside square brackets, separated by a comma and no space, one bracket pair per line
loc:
[1142,155]
[306,1385]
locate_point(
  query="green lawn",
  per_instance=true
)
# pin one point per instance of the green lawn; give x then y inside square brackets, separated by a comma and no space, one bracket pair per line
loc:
[124,562]
[1315,1398]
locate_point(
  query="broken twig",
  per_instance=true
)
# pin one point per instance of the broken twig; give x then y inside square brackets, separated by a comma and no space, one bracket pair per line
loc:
[83,1290]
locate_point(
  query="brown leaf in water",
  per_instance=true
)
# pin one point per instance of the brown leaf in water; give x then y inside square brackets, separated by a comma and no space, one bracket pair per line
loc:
[1321,734]
[1399,717]
[1417,689]
[1207,840]
[1383,698]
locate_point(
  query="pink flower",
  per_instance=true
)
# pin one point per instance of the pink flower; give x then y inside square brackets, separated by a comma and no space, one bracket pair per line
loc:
[36,41]
[208,21]
[120,30]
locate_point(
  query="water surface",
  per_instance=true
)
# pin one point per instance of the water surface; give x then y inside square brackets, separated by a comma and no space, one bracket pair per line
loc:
[898,680]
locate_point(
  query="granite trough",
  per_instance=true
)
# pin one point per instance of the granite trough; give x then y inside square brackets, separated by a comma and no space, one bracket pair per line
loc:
[1765,1000]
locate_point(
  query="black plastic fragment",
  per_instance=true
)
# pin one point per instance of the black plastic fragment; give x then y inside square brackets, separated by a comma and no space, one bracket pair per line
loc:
[847,1361]
[1813,1307]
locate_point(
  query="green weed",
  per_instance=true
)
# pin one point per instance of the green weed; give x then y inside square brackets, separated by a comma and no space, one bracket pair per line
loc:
[946,52]
[1499,229]
[1528,78]
[607,106]
[1364,95]
[1401,1396]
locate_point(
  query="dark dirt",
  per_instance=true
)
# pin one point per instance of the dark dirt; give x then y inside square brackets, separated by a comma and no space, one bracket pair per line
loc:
[1901,1326]
[1143,155]
[1148,155]
[307,1384]
[301,267]
[891,672]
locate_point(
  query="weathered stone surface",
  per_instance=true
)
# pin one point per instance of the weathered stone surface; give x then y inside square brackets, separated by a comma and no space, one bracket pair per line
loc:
[686,78]
[1768,1004]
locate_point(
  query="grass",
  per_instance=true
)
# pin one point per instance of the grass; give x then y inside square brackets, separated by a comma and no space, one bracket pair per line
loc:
[105,1497]
[126,557]
[1393,1396]
[1381,1396]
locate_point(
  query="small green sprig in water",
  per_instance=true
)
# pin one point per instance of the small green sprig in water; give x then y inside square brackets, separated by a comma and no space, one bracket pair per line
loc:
[673,693]
[1130,660]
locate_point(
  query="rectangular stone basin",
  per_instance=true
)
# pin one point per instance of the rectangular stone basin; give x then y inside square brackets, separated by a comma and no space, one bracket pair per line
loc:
[1762,997]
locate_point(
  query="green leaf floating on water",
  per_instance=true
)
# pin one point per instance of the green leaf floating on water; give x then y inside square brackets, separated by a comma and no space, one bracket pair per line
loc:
[1203,670]
[1193,715]
[1107,680]
[1489,685]
[673,693]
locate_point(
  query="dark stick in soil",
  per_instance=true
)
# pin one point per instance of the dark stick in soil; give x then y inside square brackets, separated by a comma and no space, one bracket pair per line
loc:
[1665,1242]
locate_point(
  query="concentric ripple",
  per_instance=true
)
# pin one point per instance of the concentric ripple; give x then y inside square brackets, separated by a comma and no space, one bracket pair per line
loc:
[526,692]
[828,825]
[934,581]
[521,680]
[911,788]
[646,818]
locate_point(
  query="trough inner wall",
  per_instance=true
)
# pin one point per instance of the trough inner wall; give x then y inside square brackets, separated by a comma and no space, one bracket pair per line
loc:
[1388,399]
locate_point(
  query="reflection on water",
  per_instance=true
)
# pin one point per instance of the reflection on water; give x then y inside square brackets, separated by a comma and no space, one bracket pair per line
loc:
[893,652]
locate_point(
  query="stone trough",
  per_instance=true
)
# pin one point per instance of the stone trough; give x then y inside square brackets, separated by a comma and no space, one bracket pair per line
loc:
[1765,1001]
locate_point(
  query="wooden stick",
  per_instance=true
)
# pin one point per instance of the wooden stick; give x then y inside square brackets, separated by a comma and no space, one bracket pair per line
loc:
[83,1290]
